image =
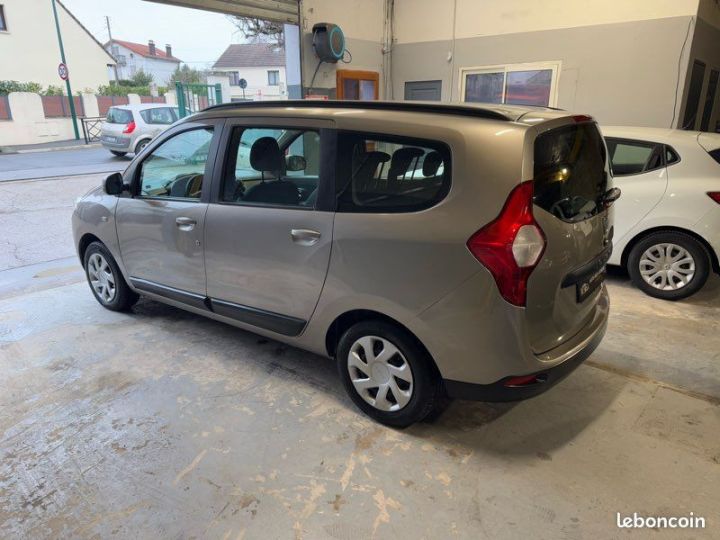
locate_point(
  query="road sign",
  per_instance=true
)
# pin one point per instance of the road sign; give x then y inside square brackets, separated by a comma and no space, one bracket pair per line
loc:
[63,71]
[242,83]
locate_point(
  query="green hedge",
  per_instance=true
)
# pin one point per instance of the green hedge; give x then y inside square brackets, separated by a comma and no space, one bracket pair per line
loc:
[14,86]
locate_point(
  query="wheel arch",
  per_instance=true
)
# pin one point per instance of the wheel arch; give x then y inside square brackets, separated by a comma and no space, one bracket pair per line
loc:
[349,318]
[139,142]
[714,263]
[85,241]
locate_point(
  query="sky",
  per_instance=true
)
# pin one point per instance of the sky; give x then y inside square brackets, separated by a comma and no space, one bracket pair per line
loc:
[197,37]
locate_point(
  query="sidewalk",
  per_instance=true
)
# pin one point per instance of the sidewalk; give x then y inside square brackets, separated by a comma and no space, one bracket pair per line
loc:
[71,144]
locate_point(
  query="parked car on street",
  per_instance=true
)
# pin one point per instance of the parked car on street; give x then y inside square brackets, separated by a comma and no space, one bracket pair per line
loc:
[129,128]
[430,249]
[667,222]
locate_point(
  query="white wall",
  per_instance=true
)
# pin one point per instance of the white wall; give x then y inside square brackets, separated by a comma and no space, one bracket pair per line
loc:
[362,24]
[29,50]
[430,20]
[29,125]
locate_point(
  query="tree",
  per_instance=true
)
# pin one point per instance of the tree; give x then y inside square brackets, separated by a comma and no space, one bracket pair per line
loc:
[141,78]
[186,75]
[260,30]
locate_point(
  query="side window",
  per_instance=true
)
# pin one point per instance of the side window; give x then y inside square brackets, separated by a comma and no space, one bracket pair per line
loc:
[390,174]
[272,166]
[158,115]
[176,168]
[634,157]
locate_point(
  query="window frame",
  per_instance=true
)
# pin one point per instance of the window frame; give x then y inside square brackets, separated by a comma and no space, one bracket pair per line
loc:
[3,19]
[234,78]
[326,175]
[276,72]
[665,149]
[555,66]
[135,169]
[392,138]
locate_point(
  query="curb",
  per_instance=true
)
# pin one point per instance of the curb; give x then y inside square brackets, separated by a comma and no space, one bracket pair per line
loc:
[57,148]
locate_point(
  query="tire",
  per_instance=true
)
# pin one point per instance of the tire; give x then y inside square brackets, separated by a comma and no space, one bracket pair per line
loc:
[139,146]
[419,391]
[669,265]
[100,266]
[118,154]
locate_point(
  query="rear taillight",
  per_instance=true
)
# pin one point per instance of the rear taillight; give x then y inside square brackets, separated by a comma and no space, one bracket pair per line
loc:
[511,245]
[129,127]
[714,195]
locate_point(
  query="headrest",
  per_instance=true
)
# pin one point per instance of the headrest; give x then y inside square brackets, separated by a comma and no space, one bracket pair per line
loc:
[401,160]
[432,163]
[265,155]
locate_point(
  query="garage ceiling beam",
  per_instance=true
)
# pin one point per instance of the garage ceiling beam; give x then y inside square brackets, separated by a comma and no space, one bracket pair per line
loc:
[283,11]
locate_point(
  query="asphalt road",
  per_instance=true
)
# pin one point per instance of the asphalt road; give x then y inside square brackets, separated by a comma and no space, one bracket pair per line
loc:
[28,166]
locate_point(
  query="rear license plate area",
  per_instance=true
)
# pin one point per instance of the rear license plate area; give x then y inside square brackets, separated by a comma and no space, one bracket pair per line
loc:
[589,277]
[584,288]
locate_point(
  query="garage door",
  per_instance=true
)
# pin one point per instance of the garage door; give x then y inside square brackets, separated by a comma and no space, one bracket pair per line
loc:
[284,11]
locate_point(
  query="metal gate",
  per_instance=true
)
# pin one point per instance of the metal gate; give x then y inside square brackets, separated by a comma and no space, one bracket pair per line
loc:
[192,98]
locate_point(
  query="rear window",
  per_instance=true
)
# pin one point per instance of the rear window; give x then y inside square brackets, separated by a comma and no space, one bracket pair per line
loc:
[570,177]
[119,116]
[159,115]
[715,154]
[390,174]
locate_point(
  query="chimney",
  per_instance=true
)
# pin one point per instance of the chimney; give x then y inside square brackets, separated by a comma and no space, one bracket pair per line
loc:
[151,46]
[168,49]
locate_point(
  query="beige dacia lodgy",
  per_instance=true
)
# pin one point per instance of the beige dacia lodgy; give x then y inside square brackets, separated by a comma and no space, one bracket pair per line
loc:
[432,250]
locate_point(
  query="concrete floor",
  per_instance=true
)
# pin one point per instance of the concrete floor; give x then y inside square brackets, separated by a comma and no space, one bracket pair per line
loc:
[164,424]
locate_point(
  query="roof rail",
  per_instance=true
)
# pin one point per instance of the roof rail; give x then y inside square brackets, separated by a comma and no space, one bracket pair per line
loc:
[402,106]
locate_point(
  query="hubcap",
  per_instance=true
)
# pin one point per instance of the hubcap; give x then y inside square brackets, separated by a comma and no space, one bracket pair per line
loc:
[667,267]
[101,277]
[380,373]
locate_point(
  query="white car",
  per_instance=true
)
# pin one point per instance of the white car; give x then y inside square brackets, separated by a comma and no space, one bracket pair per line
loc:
[128,128]
[667,221]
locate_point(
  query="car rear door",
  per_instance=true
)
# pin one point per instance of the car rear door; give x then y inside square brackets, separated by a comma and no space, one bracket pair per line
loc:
[160,226]
[269,233]
[639,170]
[570,181]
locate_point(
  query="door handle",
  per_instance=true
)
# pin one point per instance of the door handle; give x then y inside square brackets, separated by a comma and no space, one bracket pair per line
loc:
[305,237]
[185,223]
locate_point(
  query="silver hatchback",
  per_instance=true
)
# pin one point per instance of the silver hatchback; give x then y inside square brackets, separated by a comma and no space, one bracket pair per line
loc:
[432,250]
[129,128]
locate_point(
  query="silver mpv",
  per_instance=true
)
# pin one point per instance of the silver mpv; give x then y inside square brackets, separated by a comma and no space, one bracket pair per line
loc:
[432,250]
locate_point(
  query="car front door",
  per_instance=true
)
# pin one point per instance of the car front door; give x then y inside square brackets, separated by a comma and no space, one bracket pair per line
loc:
[268,230]
[639,171]
[160,226]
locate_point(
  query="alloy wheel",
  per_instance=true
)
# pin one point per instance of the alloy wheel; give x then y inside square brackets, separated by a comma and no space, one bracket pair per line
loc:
[380,373]
[667,266]
[102,279]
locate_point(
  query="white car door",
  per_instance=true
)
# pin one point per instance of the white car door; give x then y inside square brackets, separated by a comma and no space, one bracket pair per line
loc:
[640,172]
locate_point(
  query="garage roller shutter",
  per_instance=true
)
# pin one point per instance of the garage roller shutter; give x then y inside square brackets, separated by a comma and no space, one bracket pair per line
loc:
[284,11]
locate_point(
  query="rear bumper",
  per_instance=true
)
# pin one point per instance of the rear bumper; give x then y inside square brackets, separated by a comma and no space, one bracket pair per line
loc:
[505,390]
[122,144]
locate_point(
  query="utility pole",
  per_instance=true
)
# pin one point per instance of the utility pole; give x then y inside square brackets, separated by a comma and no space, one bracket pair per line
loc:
[67,78]
[107,22]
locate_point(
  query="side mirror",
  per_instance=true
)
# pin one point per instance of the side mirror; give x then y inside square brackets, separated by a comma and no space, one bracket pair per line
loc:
[114,184]
[295,163]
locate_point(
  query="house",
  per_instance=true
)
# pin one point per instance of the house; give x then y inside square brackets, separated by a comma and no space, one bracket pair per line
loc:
[133,57]
[29,50]
[262,65]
